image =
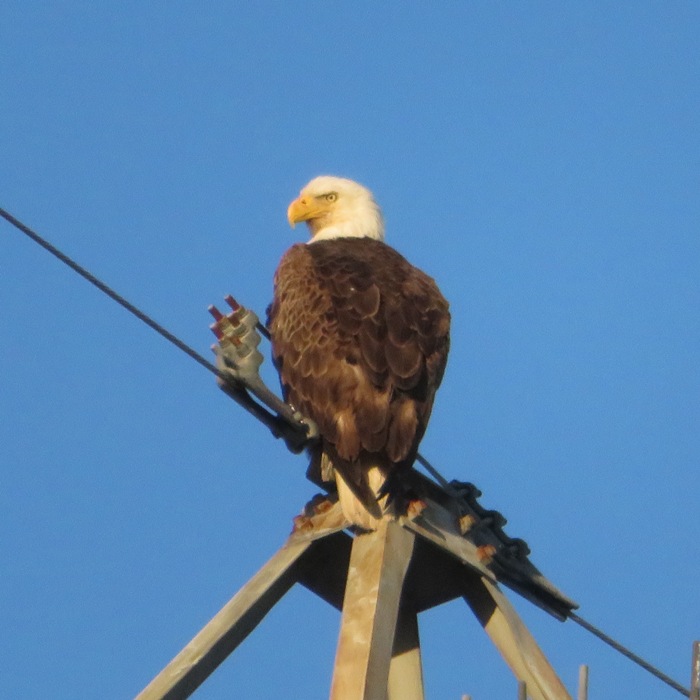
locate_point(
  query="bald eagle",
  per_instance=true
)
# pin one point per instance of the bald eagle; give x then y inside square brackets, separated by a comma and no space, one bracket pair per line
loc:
[360,340]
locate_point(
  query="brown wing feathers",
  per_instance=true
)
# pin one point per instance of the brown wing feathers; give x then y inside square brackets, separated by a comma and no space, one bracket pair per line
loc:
[360,338]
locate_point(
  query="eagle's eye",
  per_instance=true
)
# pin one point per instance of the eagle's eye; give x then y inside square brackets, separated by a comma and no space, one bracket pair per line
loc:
[331,196]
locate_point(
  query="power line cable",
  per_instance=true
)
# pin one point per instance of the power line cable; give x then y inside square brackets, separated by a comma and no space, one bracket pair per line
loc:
[241,397]
[109,292]
[273,423]
[629,654]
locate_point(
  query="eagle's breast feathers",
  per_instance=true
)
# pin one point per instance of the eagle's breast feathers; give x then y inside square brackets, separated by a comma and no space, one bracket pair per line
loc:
[360,339]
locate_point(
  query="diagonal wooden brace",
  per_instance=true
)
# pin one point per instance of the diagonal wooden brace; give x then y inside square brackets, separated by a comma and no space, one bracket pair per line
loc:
[241,615]
[491,607]
[228,628]
[513,640]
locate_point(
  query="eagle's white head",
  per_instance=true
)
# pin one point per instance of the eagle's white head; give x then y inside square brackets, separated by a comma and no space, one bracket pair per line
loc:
[335,207]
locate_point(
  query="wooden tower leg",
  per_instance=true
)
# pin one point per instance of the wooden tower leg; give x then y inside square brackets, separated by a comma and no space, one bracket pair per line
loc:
[512,638]
[406,670]
[228,628]
[378,565]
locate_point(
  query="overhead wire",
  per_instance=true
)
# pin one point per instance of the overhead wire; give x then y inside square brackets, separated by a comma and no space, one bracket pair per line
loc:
[241,397]
[269,420]
[115,296]
[628,653]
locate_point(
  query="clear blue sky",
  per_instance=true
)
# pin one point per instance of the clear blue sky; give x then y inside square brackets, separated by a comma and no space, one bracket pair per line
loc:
[541,160]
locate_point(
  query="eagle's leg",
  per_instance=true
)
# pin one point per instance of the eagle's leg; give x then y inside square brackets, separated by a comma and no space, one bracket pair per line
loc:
[402,495]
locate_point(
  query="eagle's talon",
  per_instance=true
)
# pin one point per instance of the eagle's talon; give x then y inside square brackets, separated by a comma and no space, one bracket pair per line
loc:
[295,440]
[301,523]
[466,523]
[322,505]
[415,507]
[485,553]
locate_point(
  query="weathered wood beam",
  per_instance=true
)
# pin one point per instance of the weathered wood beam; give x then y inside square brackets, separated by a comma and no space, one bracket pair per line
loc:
[582,693]
[695,673]
[378,565]
[438,526]
[510,636]
[406,669]
[228,628]
[241,615]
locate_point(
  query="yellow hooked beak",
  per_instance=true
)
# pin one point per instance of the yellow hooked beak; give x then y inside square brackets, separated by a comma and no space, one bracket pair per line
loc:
[305,208]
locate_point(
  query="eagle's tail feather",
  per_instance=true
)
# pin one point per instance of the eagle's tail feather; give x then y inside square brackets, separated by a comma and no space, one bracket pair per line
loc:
[360,488]
[365,513]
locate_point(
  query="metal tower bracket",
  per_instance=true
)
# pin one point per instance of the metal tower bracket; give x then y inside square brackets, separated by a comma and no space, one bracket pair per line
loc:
[238,361]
